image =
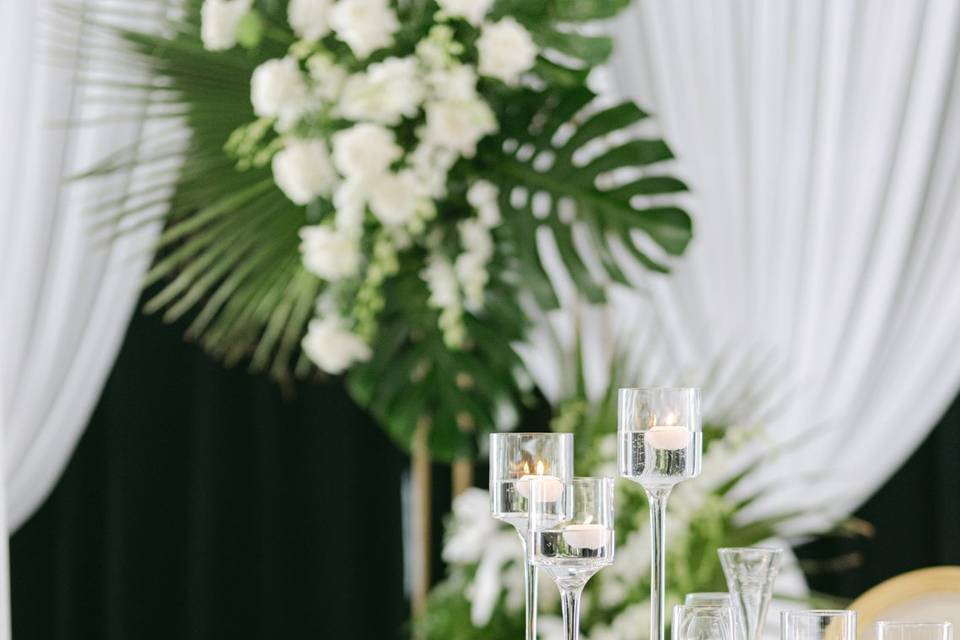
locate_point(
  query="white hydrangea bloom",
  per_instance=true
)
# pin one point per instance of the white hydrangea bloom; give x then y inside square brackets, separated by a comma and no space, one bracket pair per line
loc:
[387,92]
[439,49]
[328,77]
[310,18]
[475,238]
[350,202]
[455,83]
[395,198]
[506,50]
[471,270]
[333,347]
[458,124]
[431,164]
[441,282]
[219,20]
[482,196]
[364,150]
[473,11]
[303,170]
[279,90]
[364,25]
[329,253]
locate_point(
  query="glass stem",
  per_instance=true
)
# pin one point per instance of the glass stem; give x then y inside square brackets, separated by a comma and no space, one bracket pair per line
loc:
[570,605]
[658,579]
[530,580]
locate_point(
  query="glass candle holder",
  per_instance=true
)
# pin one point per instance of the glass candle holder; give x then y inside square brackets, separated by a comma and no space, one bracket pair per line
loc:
[708,599]
[702,622]
[573,547]
[660,445]
[893,630]
[818,624]
[750,574]
[515,460]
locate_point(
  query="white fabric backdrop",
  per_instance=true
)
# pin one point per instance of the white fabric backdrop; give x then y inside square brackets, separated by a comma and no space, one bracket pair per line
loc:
[821,141]
[65,298]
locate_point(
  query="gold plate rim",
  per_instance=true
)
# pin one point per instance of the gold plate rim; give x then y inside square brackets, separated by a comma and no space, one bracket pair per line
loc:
[945,579]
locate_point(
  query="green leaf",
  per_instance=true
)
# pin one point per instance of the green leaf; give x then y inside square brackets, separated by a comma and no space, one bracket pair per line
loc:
[583,10]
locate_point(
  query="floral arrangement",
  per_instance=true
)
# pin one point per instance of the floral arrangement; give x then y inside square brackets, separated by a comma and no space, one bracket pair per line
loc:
[369,187]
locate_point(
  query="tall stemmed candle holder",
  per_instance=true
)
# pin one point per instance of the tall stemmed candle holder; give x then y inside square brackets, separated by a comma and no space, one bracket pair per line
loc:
[571,547]
[660,445]
[517,459]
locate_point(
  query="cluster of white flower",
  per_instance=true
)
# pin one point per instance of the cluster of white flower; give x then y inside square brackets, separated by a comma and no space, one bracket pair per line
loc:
[362,168]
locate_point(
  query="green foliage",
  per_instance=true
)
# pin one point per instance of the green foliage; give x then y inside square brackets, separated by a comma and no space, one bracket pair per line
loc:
[228,257]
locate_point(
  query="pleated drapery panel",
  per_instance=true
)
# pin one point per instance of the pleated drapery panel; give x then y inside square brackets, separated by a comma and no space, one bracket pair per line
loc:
[821,142]
[66,295]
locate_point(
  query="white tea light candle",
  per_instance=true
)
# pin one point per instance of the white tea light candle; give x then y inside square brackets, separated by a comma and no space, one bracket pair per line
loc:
[585,536]
[668,438]
[550,487]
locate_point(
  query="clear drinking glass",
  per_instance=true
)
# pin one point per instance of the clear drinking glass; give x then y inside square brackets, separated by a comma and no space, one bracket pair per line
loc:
[702,622]
[573,547]
[659,445]
[750,573]
[515,459]
[891,630]
[818,624]
[708,599]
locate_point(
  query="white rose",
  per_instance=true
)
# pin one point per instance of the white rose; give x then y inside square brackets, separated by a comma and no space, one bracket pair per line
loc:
[219,20]
[506,50]
[365,25]
[385,93]
[278,89]
[472,11]
[332,346]
[458,124]
[395,198]
[328,77]
[330,254]
[457,83]
[364,150]
[303,170]
[309,18]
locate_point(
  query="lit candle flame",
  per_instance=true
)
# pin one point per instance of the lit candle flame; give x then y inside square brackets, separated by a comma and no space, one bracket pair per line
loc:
[526,468]
[539,467]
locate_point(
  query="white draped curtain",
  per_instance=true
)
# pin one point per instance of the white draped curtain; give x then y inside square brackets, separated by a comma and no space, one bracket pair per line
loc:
[65,295]
[821,143]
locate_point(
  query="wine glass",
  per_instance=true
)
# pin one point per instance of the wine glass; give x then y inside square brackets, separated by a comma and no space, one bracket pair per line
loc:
[573,546]
[515,459]
[818,624]
[659,445]
[702,622]
[892,630]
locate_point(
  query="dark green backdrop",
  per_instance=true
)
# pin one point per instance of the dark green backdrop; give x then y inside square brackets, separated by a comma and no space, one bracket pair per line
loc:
[204,503]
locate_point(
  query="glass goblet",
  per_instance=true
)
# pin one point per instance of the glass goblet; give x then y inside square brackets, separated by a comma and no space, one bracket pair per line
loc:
[750,574]
[659,446]
[818,624]
[515,459]
[573,547]
[892,630]
[702,622]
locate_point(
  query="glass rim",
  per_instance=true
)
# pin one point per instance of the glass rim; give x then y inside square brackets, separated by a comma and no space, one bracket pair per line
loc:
[906,623]
[846,613]
[619,389]
[499,434]
[773,549]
